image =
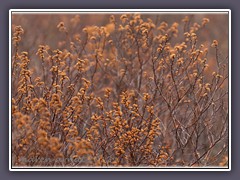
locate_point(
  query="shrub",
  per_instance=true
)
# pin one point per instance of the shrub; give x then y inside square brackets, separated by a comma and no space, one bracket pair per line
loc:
[130,93]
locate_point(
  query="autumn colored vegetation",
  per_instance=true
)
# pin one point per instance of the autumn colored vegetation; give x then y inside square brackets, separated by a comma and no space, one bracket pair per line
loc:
[132,92]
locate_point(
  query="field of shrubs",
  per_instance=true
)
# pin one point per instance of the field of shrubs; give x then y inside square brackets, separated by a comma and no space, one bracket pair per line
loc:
[119,90]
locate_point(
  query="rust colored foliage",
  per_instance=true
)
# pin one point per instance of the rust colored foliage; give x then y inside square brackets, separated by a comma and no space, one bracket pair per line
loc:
[135,92]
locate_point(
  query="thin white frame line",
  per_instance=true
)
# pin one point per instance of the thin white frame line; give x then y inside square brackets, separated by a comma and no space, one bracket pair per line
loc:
[122,10]
[155,11]
[10,90]
[229,91]
[82,11]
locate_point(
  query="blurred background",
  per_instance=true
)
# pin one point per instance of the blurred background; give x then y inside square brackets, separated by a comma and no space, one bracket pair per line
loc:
[42,28]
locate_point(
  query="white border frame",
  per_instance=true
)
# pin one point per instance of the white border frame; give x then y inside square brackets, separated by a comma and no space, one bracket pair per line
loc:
[116,11]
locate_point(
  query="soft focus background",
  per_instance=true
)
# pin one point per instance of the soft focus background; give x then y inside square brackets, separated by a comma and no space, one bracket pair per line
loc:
[42,28]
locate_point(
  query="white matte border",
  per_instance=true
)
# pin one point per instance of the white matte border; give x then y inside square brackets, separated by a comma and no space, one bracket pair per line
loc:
[118,11]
